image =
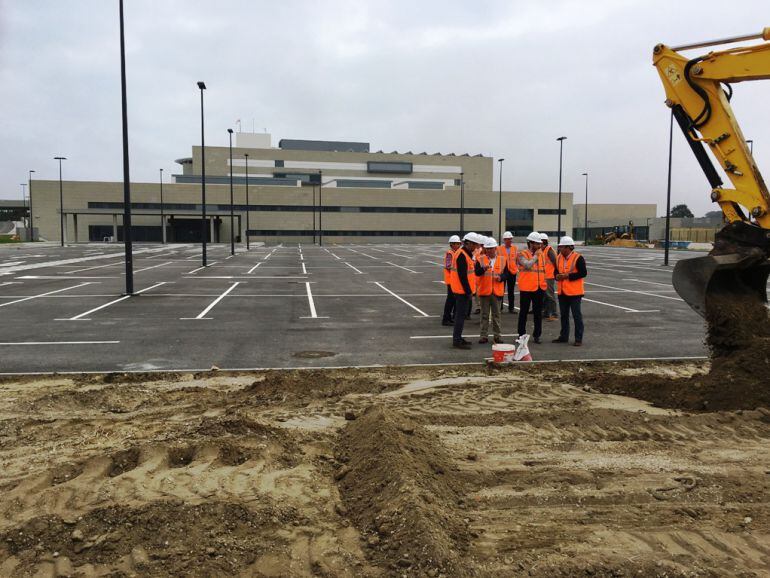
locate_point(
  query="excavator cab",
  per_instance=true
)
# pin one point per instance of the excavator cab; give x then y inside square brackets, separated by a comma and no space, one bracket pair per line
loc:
[698,91]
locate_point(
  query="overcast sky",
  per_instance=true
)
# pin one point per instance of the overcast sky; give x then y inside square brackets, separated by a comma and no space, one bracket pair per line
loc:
[502,78]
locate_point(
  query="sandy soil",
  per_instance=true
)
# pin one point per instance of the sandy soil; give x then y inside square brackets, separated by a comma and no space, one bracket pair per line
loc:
[529,471]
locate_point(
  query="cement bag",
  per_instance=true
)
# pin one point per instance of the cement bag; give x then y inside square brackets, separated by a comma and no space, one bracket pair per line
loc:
[522,350]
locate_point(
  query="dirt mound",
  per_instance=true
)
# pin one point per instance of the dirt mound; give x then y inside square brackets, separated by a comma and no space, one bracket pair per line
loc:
[166,538]
[401,491]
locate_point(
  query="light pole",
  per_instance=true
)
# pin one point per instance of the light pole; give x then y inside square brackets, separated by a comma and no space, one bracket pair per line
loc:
[314,213]
[320,209]
[162,216]
[31,222]
[204,229]
[61,200]
[462,204]
[751,146]
[248,207]
[668,190]
[561,140]
[232,214]
[500,203]
[127,233]
[585,231]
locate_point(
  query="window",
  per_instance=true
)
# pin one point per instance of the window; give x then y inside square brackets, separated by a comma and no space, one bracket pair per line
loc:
[520,222]
[401,168]
[425,185]
[551,211]
[278,163]
[360,184]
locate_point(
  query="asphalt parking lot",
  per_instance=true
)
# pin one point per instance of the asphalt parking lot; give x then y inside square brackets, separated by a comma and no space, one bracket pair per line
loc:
[62,309]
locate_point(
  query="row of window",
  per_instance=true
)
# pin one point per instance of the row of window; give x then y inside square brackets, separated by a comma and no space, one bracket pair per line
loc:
[333,233]
[290,180]
[289,208]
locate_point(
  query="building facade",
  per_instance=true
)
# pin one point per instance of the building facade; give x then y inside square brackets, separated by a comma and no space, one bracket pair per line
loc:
[301,191]
[606,217]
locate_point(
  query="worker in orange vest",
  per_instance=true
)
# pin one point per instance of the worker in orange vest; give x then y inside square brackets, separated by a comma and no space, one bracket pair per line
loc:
[449,304]
[508,252]
[490,287]
[549,300]
[532,285]
[462,280]
[476,255]
[570,272]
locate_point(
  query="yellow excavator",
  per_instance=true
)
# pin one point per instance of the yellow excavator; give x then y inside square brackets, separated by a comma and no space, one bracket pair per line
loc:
[698,91]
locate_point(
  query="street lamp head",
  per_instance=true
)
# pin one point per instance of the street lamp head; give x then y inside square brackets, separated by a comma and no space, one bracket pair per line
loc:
[230,130]
[500,160]
[60,158]
[31,171]
[201,85]
[562,138]
[585,174]
[246,155]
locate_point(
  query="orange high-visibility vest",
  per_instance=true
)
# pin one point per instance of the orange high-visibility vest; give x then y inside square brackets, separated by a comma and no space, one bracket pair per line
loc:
[569,265]
[550,269]
[448,258]
[454,276]
[490,282]
[533,279]
[510,258]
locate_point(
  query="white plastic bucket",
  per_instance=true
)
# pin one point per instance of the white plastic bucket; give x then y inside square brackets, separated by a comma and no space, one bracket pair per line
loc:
[503,352]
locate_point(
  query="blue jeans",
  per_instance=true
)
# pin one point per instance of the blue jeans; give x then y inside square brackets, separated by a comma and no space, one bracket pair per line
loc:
[462,302]
[571,303]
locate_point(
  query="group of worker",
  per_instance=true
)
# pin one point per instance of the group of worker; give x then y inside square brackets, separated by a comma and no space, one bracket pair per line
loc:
[477,269]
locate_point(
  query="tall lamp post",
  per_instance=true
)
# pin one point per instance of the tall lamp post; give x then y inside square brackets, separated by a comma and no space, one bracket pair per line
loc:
[61,200]
[500,203]
[31,221]
[204,228]
[127,233]
[248,207]
[462,204]
[668,188]
[232,212]
[24,201]
[320,209]
[585,224]
[314,213]
[561,140]
[162,215]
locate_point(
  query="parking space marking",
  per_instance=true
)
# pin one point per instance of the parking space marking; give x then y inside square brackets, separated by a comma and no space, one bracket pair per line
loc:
[82,316]
[90,268]
[311,303]
[61,277]
[364,254]
[626,309]
[358,271]
[60,343]
[650,282]
[43,294]
[404,268]
[304,269]
[242,277]
[153,267]
[250,271]
[673,298]
[450,336]
[381,286]
[202,314]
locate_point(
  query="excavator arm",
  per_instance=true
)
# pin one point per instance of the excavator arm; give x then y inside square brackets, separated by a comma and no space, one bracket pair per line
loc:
[698,91]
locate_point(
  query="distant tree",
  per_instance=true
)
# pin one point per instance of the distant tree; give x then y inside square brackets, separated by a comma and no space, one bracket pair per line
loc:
[713,215]
[681,211]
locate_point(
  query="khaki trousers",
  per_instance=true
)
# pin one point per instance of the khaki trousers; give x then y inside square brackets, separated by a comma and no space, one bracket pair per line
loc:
[490,307]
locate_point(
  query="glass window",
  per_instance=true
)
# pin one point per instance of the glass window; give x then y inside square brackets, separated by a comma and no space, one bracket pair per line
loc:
[402,168]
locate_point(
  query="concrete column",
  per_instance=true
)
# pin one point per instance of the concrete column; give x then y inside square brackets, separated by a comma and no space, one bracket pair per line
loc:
[115,228]
[163,230]
[65,228]
[75,225]
[213,231]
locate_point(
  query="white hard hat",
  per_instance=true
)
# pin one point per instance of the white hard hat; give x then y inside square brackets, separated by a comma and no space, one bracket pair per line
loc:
[566,242]
[534,236]
[543,237]
[490,243]
[507,235]
[455,239]
[470,237]
[481,239]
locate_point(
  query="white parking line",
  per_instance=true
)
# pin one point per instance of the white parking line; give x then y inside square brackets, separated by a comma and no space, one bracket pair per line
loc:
[213,304]
[311,304]
[153,267]
[90,268]
[95,309]
[60,343]
[242,277]
[638,292]
[358,271]
[404,268]
[44,294]
[627,309]
[649,282]
[62,277]
[304,269]
[450,336]
[381,286]
[250,271]
[364,254]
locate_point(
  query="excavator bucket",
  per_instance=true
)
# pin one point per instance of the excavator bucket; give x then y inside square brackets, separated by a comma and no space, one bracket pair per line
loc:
[739,275]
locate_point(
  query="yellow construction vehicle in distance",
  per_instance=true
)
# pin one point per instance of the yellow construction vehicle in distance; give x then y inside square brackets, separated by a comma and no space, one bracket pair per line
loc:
[698,91]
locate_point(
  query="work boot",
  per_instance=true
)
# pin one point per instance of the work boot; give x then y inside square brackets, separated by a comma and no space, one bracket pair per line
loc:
[559,340]
[578,343]
[461,345]
[536,340]
[484,340]
[447,323]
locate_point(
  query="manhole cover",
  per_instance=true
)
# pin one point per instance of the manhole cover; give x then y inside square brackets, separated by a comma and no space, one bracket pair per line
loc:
[313,354]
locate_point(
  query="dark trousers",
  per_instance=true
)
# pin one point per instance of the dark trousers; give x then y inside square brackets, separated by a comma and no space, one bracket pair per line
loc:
[462,302]
[511,282]
[531,300]
[449,305]
[571,303]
